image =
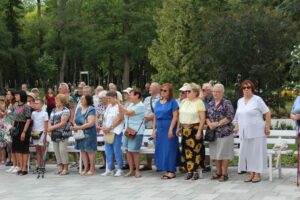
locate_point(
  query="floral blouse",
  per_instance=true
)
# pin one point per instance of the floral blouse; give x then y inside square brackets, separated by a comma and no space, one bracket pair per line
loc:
[221,111]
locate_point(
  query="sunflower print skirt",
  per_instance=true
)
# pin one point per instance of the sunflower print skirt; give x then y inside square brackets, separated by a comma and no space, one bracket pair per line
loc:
[192,150]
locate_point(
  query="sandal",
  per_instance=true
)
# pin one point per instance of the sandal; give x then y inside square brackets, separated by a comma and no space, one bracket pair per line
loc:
[165,176]
[58,172]
[216,177]
[256,179]
[196,176]
[189,176]
[83,173]
[89,173]
[223,178]
[128,174]
[137,175]
[63,173]
[248,179]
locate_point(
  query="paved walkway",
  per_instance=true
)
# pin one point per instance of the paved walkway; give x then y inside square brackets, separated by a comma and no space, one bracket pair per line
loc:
[150,187]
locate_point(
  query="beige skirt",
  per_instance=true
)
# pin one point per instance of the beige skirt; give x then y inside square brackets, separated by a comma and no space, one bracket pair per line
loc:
[222,148]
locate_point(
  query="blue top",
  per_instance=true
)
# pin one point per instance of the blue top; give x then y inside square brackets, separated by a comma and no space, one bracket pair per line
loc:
[81,119]
[296,106]
[207,101]
[165,111]
[138,118]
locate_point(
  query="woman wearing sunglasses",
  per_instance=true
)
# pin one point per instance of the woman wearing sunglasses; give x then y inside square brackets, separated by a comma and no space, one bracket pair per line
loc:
[252,130]
[192,118]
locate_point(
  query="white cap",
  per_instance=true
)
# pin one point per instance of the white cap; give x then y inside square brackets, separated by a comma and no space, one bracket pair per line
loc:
[183,88]
[128,90]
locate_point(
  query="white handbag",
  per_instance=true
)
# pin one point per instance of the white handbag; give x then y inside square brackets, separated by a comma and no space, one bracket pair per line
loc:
[78,135]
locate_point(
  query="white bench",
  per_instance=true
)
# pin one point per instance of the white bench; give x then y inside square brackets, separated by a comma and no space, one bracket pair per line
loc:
[275,137]
[148,147]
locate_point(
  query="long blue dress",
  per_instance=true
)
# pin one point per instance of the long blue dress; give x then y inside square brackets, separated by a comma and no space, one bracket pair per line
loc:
[89,143]
[166,150]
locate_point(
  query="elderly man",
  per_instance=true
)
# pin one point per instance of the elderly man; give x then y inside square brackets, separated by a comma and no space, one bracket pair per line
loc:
[112,87]
[150,102]
[182,93]
[78,93]
[207,94]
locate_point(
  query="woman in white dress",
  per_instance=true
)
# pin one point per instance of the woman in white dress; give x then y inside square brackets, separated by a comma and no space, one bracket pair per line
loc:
[252,130]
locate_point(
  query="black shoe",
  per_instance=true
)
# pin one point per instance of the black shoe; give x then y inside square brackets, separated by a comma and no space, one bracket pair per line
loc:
[102,167]
[9,163]
[189,176]
[24,173]
[125,167]
[206,169]
[242,172]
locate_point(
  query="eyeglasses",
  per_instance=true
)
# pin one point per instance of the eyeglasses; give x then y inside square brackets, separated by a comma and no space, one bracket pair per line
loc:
[246,87]
[163,90]
[188,91]
[182,92]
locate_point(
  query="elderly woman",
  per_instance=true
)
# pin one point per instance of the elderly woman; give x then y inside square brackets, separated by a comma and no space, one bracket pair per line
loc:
[97,91]
[59,129]
[100,110]
[85,121]
[164,130]
[192,119]
[112,127]
[252,130]
[220,113]
[295,116]
[21,134]
[135,113]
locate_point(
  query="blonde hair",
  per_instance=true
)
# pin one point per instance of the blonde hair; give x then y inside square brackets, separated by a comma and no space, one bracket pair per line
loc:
[63,99]
[195,87]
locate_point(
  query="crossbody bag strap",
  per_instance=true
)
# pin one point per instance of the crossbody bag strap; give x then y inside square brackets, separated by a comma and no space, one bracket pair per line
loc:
[152,109]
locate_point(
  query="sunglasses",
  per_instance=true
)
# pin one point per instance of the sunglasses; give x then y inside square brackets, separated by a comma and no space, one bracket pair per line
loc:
[182,92]
[189,91]
[163,90]
[246,87]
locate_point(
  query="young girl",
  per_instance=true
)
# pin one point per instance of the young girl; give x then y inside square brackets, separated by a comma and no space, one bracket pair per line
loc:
[38,134]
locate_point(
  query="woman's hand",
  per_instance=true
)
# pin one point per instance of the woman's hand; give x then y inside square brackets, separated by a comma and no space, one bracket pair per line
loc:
[50,129]
[267,130]
[170,134]
[23,134]
[214,125]
[236,129]
[105,130]
[154,134]
[198,135]
[74,128]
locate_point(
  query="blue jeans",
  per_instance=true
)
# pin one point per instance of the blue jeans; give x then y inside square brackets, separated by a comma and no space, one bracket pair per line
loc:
[114,149]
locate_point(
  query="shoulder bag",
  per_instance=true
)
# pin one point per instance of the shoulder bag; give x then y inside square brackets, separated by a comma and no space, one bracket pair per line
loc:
[130,133]
[79,134]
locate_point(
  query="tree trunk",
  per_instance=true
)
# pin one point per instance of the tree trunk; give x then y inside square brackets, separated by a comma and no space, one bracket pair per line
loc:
[1,80]
[40,31]
[126,71]
[63,66]
[110,68]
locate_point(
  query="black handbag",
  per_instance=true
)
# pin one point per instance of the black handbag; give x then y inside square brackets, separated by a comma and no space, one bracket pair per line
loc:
[210,135]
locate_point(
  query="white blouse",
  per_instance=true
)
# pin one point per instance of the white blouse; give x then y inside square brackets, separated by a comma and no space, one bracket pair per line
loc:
[111,113]
[249,117]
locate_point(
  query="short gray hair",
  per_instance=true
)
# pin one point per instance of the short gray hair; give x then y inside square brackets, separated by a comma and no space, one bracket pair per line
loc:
[155,84]
[207,86]
[219,86]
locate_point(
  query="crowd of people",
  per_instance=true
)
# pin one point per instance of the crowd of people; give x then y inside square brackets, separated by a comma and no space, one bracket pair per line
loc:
[122,118]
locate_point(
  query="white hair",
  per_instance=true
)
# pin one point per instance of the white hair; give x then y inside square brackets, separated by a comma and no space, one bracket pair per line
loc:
[155,84]
[220,87]
[207,86]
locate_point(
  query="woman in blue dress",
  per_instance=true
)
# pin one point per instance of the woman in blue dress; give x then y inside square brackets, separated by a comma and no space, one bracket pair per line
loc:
[164,131]
[85,120]
[295,116]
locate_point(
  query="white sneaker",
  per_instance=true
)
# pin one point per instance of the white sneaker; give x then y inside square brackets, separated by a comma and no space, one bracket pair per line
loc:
[108,173]
[10,169]
[15,170]
[118,173]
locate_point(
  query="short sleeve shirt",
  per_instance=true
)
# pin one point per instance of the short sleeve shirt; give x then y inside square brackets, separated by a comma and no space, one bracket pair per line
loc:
[147,103]
[137,119]
[55,118]
[189,111]
[296,106]
[249,117]
[22,113]
[110,116]
[39,118]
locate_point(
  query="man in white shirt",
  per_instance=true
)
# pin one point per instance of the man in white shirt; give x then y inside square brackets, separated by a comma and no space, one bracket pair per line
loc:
[150,103]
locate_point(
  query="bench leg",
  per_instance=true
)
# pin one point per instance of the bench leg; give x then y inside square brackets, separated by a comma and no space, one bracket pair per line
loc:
[80,163]
[279,168]
[270,168]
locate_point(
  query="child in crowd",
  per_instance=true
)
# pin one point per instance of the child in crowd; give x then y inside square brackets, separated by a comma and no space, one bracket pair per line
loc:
[38,135]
